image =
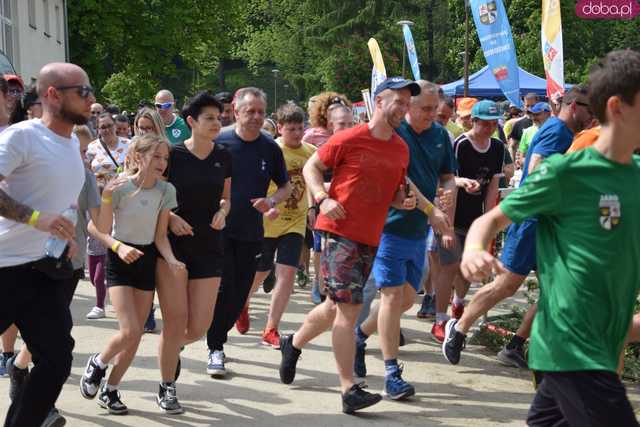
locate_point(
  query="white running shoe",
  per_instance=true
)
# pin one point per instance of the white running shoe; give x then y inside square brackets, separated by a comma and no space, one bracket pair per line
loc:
[96,313]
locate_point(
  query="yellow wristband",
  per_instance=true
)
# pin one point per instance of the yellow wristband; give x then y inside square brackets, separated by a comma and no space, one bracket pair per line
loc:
[34,218]
[474,247]
[319,196]
[107,200]
[428,209]
[115,246]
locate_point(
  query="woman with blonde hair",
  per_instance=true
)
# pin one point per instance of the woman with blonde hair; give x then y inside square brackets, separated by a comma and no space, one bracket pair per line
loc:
[148,120]
[319,107]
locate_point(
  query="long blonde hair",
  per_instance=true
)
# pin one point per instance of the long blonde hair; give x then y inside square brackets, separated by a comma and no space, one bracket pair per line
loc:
[150,114]
[142,145]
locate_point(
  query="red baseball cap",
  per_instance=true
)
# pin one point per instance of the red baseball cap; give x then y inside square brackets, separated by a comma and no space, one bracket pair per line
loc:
[14,78]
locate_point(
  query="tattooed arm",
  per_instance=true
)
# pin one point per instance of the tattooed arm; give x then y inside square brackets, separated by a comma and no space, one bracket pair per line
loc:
[13,210]
[52,223]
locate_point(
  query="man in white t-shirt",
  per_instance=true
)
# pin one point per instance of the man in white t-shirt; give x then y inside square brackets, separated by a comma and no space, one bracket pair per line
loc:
[41,175]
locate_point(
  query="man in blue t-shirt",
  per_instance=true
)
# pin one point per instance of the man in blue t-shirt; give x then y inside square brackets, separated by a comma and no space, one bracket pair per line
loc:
[400,258]
[256,161]
[519,252]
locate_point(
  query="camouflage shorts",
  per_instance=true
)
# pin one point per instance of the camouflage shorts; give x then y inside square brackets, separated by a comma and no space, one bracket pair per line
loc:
[345,267]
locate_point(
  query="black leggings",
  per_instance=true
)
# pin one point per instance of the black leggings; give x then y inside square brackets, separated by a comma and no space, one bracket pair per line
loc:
[240,263]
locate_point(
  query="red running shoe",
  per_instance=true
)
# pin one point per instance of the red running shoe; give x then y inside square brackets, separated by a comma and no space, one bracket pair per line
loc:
[457,310]
[242,324]
[437,331]
[271,337]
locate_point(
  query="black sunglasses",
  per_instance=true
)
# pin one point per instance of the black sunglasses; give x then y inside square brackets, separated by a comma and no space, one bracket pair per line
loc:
[585,105]
[337,100]
[83,91]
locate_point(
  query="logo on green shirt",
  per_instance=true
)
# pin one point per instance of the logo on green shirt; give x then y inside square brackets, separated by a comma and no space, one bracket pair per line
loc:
[609,211]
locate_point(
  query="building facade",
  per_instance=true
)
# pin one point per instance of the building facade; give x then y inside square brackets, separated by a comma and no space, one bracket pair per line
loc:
[32,34]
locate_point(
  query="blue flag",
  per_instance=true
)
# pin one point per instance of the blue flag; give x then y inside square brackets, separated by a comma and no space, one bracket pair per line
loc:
[497,44]
[411,51]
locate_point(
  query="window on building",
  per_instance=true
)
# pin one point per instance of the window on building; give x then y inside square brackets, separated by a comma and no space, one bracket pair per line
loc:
[58,26]
[45,13]
[6,30]
[31,7]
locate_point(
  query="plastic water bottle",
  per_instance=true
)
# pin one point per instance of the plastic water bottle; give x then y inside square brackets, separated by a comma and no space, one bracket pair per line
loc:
[55,246]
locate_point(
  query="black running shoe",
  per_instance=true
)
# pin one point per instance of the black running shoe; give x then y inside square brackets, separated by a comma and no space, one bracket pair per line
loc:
[290,357]
[269,282]
[403,341]
[513,357]
[17,377]
[359,364]
[168,400]
[110,400]
[91,379]
[356,398]
[454,342]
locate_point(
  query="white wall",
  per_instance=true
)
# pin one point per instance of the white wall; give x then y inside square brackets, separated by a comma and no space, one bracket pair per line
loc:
[33,48]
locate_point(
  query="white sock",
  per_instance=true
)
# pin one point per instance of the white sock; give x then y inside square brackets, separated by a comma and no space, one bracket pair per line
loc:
[441,317]
[100,363]
[457,300]
[457,328]
[111,387]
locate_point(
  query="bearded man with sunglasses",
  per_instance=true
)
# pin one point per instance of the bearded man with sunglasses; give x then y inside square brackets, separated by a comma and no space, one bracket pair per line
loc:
[177,130]
[41,175]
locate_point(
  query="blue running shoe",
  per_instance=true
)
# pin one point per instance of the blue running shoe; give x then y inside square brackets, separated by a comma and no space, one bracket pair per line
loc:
[396,388]
[316,297]
[3,365]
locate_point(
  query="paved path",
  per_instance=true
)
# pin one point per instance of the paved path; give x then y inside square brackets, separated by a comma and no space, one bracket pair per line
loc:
[478,392]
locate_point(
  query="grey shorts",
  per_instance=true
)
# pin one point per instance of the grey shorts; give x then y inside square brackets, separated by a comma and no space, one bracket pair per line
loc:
[453,255]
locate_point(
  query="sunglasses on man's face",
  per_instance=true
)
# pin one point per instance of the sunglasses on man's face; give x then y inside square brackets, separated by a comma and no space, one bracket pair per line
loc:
[585,105]
[83,91]
[164,105]
[15,92]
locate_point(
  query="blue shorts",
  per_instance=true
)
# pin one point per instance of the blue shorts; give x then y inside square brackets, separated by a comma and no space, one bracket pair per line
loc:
[399,261]
[317,241]
[519,252]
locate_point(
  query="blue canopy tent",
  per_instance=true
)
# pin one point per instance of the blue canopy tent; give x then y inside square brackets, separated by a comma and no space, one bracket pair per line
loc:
[482,84]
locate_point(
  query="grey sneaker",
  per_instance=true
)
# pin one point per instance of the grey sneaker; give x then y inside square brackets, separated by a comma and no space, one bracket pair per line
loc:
[54,419]
[513,357]
[17,377]
[168,400]
[110,400]
[91,379]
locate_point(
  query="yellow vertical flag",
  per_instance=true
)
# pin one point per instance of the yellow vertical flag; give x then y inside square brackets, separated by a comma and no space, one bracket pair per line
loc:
[552,55]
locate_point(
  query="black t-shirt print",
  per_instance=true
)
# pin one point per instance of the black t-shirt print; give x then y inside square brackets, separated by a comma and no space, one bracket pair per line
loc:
[481,166]
[199,185]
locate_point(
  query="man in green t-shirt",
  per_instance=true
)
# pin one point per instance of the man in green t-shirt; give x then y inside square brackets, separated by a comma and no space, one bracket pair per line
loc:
[175,127]
[588,247]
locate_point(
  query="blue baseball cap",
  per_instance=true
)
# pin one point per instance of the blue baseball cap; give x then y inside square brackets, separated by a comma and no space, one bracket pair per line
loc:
[485,110]
[396,83]
[539,108]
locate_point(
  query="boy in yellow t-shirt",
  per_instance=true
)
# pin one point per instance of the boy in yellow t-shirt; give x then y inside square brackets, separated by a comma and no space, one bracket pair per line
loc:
[284,235]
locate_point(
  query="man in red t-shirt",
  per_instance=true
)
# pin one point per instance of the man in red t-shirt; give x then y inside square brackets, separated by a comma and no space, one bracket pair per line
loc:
[369,164]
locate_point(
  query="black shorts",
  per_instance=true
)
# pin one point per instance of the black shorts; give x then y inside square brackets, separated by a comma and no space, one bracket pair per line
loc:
[288,248]
[139,275]
[582,398]
[203,260]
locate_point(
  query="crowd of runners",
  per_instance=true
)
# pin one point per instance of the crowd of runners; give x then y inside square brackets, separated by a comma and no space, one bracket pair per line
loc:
[207,204]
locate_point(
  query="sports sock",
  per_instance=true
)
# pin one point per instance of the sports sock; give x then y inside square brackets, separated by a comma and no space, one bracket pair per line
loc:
[111,387]
[100,363]
[516,342]
[441,317]
[360,336]
[457,300]
[390,367]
